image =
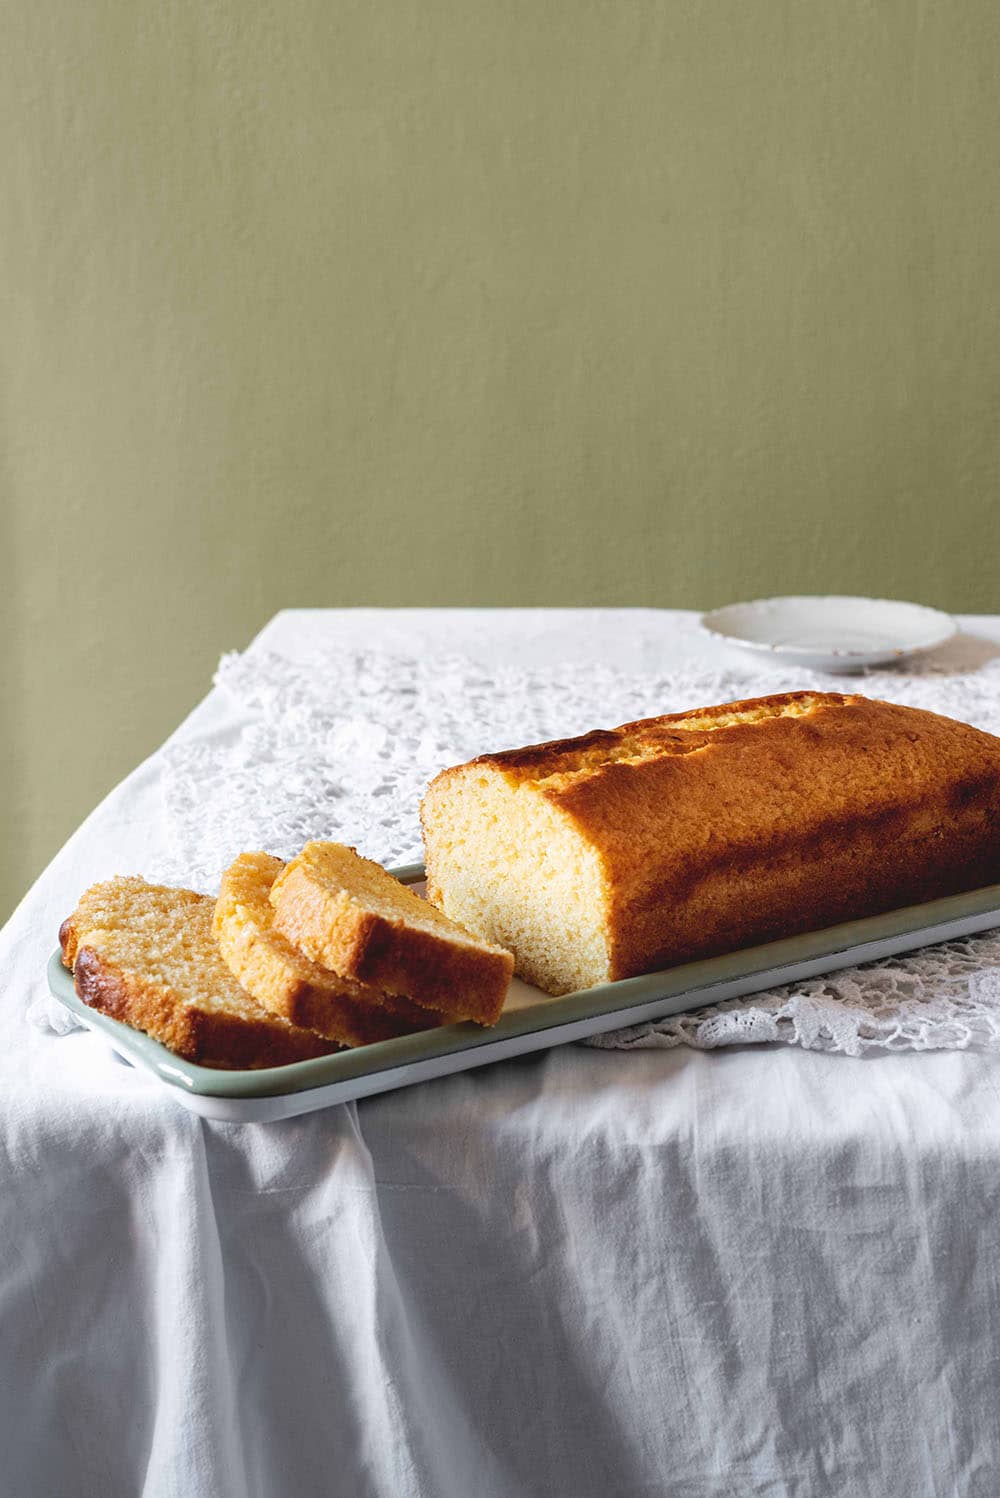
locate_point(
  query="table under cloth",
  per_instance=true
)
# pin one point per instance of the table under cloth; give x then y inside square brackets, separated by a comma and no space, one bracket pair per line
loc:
[753,1271]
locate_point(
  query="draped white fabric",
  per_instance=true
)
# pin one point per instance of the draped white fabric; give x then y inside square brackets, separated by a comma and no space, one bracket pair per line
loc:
[753,1271]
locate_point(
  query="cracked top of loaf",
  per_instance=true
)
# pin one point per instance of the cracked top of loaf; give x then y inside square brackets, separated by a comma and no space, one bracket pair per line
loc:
[701,832]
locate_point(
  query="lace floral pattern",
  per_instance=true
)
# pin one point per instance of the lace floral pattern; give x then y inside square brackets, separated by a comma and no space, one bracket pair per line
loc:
[342,745]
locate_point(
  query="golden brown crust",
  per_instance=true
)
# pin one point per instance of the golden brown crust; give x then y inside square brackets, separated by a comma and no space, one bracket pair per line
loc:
[68,942]
[218,1040]
[715,834]
[459,982]
[668,734]
[105,986]
[455,978]
[312,1009]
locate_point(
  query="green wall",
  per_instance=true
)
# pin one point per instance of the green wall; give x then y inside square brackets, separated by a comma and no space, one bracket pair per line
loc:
[464,301]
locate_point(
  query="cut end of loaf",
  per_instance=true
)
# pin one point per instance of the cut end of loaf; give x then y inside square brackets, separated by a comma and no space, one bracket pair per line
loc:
[511,867]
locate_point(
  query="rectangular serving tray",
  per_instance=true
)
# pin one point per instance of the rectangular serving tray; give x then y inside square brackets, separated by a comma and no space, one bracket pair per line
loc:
[531,1021]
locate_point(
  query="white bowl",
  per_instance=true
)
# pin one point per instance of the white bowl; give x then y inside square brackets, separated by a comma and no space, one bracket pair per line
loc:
[838,634]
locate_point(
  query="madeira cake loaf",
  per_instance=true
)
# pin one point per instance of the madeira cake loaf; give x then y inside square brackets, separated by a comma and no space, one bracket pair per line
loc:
[688,835]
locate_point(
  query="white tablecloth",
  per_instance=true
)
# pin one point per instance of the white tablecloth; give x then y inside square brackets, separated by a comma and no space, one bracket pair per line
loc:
[760,1271]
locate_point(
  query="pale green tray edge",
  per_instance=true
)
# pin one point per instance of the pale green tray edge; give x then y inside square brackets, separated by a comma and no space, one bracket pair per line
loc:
[607,999]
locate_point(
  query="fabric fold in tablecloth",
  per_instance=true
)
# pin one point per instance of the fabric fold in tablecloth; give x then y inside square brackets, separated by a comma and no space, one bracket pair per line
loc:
[579,1274]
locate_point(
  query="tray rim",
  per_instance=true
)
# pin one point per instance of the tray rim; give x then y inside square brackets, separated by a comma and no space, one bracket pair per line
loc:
[607,1006]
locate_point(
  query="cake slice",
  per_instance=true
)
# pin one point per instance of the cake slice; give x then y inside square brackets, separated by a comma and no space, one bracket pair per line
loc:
[348,914]
[146,954]
[289,983]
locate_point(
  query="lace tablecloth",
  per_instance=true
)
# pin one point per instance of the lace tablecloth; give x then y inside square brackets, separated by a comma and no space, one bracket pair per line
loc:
[342,743]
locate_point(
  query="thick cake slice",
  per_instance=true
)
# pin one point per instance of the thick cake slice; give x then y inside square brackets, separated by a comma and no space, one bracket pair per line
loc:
[146,954]
[689,835]
[287,982]
[348,914]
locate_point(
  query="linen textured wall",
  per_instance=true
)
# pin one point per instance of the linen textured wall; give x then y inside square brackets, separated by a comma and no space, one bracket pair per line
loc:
[456,302]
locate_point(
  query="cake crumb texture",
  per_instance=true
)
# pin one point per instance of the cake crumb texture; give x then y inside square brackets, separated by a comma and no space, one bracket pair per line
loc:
[147,955]
[348,914]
